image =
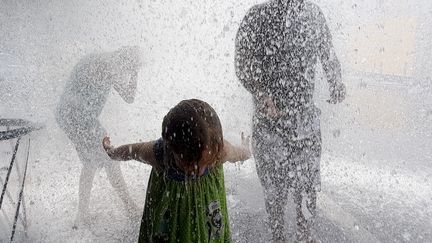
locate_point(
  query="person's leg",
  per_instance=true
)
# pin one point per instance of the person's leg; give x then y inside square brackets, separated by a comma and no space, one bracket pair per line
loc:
[265,151]
[85,185]
[275,201]
[116,179]
[301,229]
[305,214]
[77,133]
[100,159]
[306,189]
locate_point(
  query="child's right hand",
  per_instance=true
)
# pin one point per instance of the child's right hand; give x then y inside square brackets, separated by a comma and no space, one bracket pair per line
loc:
[245,142]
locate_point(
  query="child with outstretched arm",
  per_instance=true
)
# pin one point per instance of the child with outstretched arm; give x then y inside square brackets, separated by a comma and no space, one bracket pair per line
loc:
[185,199]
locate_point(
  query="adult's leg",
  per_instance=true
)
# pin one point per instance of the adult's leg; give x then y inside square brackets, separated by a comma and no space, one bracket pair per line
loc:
[77,132]
[116,179]
[307,186]
[275,201]
[112,168]
[305,214]
[85,185]
[266,150]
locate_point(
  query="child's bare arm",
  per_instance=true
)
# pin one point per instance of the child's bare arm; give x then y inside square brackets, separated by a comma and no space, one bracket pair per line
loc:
[142,152]
[234,154]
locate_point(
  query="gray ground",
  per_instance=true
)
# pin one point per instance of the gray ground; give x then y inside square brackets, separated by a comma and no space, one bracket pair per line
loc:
[359,203]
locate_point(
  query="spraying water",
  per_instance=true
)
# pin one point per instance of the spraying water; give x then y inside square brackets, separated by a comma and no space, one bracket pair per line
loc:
[376,152]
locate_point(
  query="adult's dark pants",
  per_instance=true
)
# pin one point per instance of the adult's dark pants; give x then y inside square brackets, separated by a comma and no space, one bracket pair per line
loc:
[285,165]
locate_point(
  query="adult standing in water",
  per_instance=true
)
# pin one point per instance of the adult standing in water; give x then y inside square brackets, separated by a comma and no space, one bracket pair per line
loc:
[77,113]
[278,46]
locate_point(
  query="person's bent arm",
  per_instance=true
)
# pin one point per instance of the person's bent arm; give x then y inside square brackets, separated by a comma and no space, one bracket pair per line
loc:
[143,152]
[330,62]
[127,89]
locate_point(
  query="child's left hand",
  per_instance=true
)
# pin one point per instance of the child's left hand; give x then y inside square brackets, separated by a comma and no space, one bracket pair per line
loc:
[245,141]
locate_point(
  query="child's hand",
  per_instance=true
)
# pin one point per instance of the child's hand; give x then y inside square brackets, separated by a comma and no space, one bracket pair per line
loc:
[106,143]
[245,141]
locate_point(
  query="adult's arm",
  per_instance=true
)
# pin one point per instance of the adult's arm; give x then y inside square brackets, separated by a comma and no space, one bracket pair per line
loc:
[329,60]
[127,88]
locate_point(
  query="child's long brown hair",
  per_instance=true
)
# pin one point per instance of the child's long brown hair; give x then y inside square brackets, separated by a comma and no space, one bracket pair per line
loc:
[190,127]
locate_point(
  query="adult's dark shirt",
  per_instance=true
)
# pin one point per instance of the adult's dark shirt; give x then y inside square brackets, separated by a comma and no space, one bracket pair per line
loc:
[277,49]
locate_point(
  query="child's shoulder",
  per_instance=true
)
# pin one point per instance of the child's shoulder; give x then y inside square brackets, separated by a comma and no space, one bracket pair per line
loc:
[159,150]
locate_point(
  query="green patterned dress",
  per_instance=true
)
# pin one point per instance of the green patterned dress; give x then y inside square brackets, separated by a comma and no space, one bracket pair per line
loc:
[178,209]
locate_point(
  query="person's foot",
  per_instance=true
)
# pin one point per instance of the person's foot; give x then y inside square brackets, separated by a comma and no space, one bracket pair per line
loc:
[132,211]
[300,237]
[302,232]
[274,233]
[278,235]
[134,216]
[278,241]
[310,239]
[82,221]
